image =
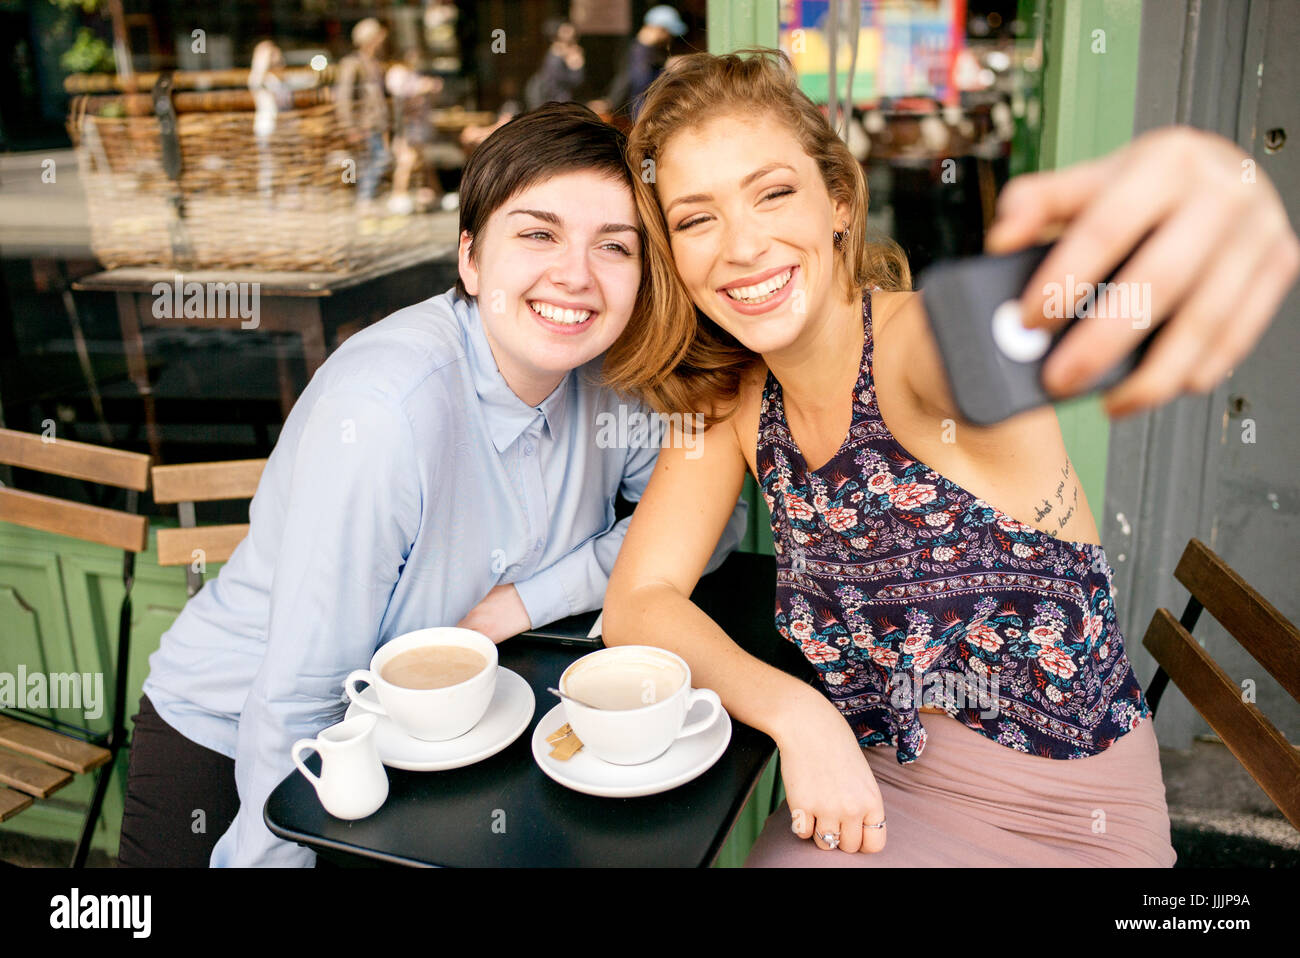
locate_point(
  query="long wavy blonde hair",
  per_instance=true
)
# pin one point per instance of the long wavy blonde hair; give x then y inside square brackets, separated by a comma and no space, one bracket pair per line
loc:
[674,356]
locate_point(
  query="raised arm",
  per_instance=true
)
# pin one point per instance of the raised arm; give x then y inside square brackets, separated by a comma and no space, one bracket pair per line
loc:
[1200,225]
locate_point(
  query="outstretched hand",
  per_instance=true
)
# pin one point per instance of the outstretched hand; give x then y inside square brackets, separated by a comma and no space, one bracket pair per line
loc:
[1215,256]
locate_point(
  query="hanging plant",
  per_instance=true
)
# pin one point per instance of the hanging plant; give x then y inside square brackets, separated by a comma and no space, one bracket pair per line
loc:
[90,52]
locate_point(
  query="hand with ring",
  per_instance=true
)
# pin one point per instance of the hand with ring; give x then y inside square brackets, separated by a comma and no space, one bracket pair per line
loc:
[832,839]
[832,795]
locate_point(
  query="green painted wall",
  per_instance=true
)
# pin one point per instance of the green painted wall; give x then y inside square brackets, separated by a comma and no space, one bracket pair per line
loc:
[59,601]
[734,24]
[1089,93]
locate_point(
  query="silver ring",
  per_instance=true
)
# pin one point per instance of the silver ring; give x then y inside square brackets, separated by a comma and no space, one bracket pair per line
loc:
[881,825]
[831,838]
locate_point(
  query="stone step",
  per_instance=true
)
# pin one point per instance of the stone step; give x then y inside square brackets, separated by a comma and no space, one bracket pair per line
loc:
[1215,838]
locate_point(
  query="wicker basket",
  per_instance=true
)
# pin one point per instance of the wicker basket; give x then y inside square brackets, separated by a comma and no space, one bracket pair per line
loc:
[285,203]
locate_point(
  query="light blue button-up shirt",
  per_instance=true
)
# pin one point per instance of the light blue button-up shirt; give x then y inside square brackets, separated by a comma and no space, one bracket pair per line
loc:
[408,481]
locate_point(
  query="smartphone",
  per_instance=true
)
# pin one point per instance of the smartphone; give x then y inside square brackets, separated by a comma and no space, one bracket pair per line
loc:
[581,631]
[994,364]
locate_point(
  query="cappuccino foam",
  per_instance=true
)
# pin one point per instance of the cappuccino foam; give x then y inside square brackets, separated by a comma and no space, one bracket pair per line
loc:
[433,667]
[621,683]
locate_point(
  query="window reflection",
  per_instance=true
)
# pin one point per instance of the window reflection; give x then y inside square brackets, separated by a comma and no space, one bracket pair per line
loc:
[939,99]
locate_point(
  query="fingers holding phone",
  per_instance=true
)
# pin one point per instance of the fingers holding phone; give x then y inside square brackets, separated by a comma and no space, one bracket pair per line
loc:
[1207,251]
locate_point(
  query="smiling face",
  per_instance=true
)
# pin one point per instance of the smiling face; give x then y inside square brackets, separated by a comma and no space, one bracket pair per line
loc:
[556,273]
[750,223]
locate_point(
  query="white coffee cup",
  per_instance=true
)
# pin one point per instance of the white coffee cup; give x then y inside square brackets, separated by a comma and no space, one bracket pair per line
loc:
[432,715]
[632,736]
[352,782]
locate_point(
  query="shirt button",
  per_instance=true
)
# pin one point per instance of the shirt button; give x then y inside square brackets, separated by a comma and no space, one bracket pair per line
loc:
[528,449]
[537,544]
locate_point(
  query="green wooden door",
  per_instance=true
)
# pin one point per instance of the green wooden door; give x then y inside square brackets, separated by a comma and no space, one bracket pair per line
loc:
[59,601]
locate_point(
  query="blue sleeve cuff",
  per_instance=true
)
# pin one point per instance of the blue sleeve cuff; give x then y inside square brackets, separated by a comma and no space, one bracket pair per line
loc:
[544,595]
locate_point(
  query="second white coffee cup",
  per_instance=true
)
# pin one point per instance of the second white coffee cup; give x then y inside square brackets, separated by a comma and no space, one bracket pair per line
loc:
[432,715]
[659,683]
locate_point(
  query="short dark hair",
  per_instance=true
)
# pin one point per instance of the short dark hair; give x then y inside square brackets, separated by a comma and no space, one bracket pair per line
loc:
[554,139]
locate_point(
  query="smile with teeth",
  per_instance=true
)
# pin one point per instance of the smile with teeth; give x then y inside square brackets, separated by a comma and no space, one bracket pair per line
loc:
[760,292]
[565,317]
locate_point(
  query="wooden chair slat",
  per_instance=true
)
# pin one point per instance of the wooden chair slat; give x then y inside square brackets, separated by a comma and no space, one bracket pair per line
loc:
[110,527]
[28,775]
[77,460]
[11,803]
[176,546]
[60,750]
[207,481]
[1250,618]
[1262,750]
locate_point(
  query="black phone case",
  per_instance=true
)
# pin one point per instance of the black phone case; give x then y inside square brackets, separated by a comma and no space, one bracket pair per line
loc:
[568,631]
[961,298]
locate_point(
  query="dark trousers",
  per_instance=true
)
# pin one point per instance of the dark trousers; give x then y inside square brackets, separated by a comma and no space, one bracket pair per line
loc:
[180,797]
[169,781]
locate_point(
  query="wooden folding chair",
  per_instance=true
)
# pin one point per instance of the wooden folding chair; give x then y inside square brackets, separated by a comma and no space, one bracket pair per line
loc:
[187,484]
[49,750]
[1266,634]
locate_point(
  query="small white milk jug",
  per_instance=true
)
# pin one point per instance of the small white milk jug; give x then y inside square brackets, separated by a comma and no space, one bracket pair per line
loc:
[352,782]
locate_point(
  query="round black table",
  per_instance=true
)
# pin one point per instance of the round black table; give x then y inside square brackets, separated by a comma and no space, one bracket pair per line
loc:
[504,811]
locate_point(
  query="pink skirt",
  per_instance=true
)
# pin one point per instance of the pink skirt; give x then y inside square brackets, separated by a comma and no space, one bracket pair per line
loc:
[968,801]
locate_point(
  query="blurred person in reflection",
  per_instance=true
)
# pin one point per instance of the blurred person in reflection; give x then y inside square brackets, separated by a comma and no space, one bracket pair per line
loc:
[413,132]
[974,702]
[561,72]
[362,108]
[445,466]
[270,95]
[643,61]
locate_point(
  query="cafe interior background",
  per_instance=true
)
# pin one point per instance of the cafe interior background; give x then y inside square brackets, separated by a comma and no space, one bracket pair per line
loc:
[949,99]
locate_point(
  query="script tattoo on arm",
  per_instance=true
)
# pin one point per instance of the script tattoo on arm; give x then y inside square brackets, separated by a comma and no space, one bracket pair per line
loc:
[1064,505]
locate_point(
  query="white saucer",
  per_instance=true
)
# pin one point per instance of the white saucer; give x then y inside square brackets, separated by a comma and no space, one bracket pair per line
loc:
[686,759]
[507,716]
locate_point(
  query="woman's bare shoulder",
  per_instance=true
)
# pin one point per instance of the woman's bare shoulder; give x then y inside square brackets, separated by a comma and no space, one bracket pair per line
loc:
[907,355]
[888,305]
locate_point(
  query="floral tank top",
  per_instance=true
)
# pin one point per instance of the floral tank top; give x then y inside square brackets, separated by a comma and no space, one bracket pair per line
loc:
[904,591]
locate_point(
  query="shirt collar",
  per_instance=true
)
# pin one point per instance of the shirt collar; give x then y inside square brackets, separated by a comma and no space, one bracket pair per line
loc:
[507,415]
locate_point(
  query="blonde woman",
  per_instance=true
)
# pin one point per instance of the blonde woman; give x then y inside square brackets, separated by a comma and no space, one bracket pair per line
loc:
[912,571]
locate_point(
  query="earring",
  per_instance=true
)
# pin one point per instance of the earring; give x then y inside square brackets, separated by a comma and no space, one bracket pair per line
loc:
[841,236]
